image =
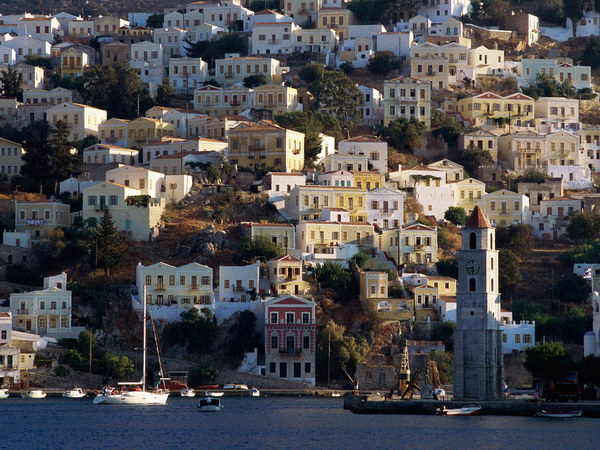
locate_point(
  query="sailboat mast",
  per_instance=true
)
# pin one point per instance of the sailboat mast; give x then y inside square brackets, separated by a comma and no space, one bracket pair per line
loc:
[144,338]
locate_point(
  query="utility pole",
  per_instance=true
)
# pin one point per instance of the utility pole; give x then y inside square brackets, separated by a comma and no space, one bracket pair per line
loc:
[90,358]
[328,360]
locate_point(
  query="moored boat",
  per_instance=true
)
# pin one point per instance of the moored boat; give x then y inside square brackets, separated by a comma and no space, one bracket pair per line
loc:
[254,392]
[242,387]
[73,393]
[187,392]
[34,393]
[465,411]
[214,394]
[208,404]
[3,394]
[559,414]
[336,394]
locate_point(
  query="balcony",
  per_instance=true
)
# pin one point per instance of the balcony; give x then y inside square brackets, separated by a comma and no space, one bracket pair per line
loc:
[193,287]
[239,289]
[34,221]
[256,149]
[273,41]
[22,311]
[290,351]
[235,103]
[386,212]
[159,287]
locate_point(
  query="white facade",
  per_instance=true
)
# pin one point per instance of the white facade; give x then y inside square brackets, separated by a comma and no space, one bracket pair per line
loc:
[272,38]
[280,185]
[26,46]
[372,107]
[81,120]
[237,283]
[385,207]
[148,52]
[580,76]
[574,177]
[375,150]
[397,42]
[437,9]
[44,28]
[187,74]
[517,336]
[172,42]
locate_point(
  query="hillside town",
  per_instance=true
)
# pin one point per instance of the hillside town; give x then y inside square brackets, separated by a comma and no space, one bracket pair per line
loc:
[302,194]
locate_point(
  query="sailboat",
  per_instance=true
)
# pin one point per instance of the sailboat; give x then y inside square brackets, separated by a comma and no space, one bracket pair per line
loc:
[138,396]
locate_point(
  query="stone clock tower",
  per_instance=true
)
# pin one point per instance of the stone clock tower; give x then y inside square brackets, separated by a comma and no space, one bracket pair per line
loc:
[477,340]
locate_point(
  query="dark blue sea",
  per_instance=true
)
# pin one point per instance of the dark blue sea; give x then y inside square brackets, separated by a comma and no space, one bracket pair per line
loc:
[273,422]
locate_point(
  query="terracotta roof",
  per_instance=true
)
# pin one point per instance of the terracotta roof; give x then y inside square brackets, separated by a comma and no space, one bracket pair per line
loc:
[337,209]
[258,24]
[286,174]
[325,222]
[477,219]
[183,155]
[430,277]
[5,314]
[332,187]
[266,12]
[448,299]
[272,225]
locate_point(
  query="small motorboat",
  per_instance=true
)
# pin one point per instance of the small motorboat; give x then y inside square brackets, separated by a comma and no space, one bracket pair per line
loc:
[242,387]
[187,392]
[465,411]
[208,404]
[336,394]
[35,393]
[3,394]
[214,394]
[254,392]
[73,393]
[559,414]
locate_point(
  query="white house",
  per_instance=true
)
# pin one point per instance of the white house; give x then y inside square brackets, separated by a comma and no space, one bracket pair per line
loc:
[272,38]
[385,207]
[239,283]
[371,111]
[574,177]
[580,76]
[45,28]
[280,184]
[373,148]
[81,120]
[172,41]
[442,10]
[148,52]
[396,42]
[187,74]
[26,46]
[516,336]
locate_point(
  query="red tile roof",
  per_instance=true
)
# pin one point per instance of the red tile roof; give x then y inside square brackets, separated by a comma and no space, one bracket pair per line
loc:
[477,219]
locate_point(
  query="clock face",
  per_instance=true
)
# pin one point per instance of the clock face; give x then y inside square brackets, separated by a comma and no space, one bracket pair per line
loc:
[472,267]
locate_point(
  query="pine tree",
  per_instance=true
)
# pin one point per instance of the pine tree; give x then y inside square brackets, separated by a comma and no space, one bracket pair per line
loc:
[108,244]
[165,93]
[12,83]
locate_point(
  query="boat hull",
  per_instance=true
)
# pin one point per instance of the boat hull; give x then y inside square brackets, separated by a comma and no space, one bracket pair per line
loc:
[210,408]
[474,411]
[132,398]
[28,395]
[559,414]
[73,394]
[214,394]
[187,393]
[3,394]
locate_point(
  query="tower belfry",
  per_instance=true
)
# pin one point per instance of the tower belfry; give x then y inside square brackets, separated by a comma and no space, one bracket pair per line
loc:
[478,340]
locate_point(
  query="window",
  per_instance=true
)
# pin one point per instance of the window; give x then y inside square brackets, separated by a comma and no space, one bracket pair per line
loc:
[472,241]
[273,367]
[148,280]
[307,367]
[527,339]
[504,338]
[171,280]
[273,317]
[204,280]
[113,200]
[305,317]
[517,338]
[274,341]
[226,284]
[472,284]
[289,318]
[306,342]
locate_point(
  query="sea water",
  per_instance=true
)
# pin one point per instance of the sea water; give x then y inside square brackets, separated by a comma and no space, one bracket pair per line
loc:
[271,422]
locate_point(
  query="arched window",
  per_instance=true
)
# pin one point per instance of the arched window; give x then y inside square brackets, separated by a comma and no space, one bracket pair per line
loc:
[472,241]
[472,284]
[492,241]
[492,285]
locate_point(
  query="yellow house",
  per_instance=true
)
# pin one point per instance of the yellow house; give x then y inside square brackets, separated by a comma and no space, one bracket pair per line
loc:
[114,131]
[431,68]
[11,154]
[427,296]
[368,180]
[407,98]
[321,237]
[140,130]
[307,202]
[264,143]
[337,19]
[373,284]
[467,193]
[506,207]
[492,110]
[73,61]
[276,98]
[285,276]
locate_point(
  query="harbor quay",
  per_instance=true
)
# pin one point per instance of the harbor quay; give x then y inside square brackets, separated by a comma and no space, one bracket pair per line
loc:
[362,404]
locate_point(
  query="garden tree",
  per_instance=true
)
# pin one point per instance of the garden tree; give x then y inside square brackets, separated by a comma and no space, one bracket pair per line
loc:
[360,259]
[402,134]
[259,247]
[531,176]
[61,162]
[547,361]
[517,238]
[338,94]
[509,271]
[333,276]
[383,63]
[346,351]
[308,123]
[447,267]
[591,53]
[254,81]
[155,21]
[195,333]
[584,227]
[63,247]
[261,5]
[165,93]
[551,11]
[107,246]
[446,126]
[117,89]
[586,253]
[398,10]
[456,215]
[572,288]
[546,86]
[242,336]
[574,11]
[444,363]
[37,157]
[347,67]
[84,143]
[312,72]
[23,274]
[444,332]
[495,12]
[473,157]
[12,83]
[70,82]
[117,366]
[205,372]
[231,42]
[39,61]
[367,11]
